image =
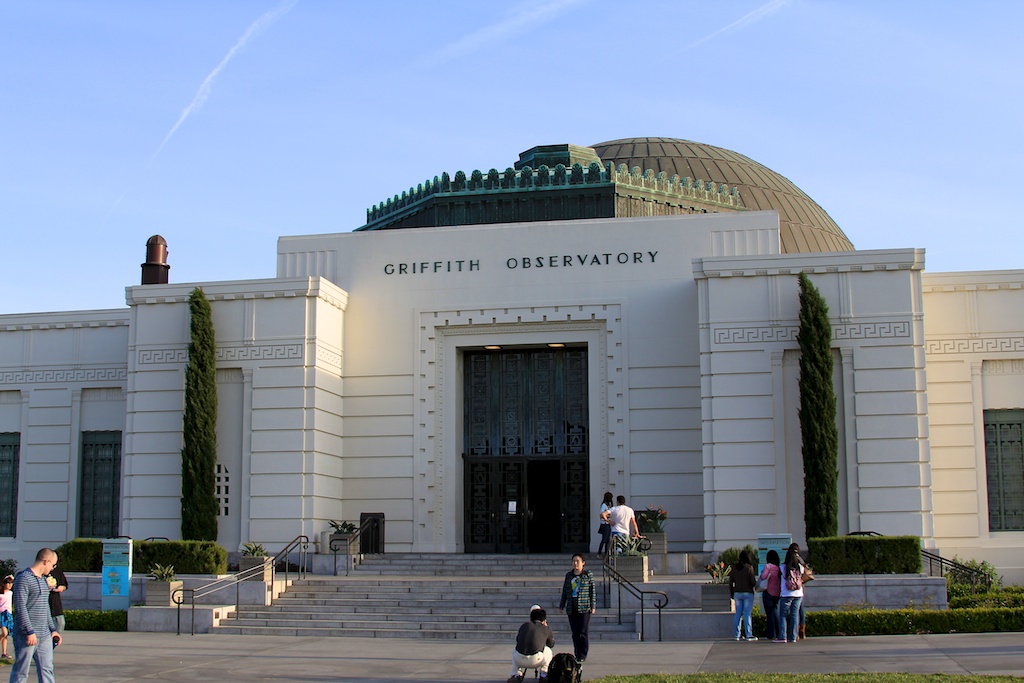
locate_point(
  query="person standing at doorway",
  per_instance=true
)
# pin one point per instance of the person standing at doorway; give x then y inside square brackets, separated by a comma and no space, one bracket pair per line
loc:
[622,520]
[35,633]
[605,529]
[579,604]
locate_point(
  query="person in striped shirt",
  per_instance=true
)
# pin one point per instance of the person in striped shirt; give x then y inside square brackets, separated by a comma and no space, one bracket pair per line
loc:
[35,633]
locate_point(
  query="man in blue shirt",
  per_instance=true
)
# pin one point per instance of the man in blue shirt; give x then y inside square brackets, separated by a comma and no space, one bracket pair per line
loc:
[35,633]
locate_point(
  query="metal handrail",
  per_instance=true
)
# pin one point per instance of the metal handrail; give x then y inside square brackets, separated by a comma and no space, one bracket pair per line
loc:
[609,574]
[352,559]
[975,577]
[188,596]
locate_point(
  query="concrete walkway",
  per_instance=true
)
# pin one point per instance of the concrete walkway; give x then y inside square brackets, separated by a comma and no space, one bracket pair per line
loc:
[91,657]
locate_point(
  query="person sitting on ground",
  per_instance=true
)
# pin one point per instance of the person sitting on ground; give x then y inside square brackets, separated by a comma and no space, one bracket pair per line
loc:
[533,646]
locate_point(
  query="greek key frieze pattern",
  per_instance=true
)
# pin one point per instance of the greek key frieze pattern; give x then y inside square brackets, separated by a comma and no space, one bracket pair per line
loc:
[160,356]
[788,333]
[991,345]
[225,354]
[268,352]
[65,376]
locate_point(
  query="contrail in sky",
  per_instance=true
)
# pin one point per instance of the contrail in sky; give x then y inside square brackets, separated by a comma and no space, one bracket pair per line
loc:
[254,30]
[537,14]
[747,19]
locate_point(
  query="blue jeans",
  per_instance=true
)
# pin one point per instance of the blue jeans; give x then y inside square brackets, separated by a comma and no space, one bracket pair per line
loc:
[25,654]
[771,611]
[744,606]
[789,618]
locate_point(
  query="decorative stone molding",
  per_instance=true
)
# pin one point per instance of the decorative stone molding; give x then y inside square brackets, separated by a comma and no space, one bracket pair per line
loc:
[64,376]
[788,333]
[439,328]
[103,394]
[329,357]
[228,354]
[991,345]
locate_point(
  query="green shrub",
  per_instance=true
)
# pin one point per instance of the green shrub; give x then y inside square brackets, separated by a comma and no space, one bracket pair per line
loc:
[993,599]
[8,566]
[911,621]
[94,620]
[967,581]
[865,554]
[81,555]
[732,555]
[187,557]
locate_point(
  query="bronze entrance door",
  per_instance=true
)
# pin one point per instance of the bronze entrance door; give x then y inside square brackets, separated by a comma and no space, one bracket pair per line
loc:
[526,451]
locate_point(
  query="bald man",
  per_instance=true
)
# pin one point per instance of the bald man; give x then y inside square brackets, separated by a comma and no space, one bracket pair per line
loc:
[35,633]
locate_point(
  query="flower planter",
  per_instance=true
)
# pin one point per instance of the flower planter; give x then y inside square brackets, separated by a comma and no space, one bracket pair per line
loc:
[633,568]
[158,593]
[659,542]
[714,597]
[248,562]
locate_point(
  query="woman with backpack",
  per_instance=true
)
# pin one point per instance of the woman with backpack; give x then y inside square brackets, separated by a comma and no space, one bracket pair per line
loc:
[790,597]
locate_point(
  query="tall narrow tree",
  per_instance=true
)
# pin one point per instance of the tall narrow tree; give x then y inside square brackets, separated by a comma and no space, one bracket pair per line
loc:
[819,435]
[199,454]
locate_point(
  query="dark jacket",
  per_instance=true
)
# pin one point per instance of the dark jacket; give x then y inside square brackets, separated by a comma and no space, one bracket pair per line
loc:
[533,636]
[56,607]
[742,579]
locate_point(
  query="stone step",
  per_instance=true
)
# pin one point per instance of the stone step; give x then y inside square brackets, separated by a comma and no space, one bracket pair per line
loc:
[476,636]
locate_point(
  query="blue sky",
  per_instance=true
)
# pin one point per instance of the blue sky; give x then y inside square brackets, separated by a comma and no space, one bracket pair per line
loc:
[224,124]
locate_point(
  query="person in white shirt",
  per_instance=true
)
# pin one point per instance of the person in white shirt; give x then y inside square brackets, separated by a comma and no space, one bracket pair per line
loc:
[622,520]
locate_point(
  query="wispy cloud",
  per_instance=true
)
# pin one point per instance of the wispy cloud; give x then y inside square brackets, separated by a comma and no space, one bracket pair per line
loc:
[746,20]
[203,94]
[533,14]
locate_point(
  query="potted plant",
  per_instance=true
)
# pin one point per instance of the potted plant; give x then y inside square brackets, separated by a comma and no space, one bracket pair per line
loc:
[629,558]
[715,595]
[255,555]
[652,525]
[161,586]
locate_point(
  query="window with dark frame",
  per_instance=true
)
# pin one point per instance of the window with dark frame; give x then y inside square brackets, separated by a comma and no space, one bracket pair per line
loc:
[1004,464]
[10,454]
[100,495]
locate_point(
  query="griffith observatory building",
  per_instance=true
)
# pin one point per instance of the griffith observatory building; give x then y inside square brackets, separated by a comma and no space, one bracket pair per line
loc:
[491,352]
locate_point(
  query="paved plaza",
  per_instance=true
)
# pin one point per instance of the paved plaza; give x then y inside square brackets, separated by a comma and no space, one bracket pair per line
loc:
[91,657]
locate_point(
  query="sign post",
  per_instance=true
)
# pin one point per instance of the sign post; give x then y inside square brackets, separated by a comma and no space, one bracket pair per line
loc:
[778,542]
[117,574]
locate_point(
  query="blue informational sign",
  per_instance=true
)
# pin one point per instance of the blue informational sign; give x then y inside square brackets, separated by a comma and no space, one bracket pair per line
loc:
[777,542]
[116,574]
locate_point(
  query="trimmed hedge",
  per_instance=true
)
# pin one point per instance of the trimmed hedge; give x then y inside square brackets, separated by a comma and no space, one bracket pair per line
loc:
[94,620]
[865,554]
[187,557]
[1003,598]
[868,622]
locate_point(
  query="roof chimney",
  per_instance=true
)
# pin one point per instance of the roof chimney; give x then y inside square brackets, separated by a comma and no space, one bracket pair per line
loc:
[154,270]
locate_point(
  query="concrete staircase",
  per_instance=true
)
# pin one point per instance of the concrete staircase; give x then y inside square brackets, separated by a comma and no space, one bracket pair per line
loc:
[419,595]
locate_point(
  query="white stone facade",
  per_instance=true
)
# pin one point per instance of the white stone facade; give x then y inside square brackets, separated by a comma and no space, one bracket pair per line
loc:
[341,383]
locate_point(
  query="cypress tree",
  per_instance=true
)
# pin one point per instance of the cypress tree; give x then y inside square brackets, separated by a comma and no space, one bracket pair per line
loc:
[199,454]
[819,435]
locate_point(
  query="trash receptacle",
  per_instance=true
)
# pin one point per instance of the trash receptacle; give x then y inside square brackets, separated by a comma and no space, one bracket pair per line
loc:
[371,540]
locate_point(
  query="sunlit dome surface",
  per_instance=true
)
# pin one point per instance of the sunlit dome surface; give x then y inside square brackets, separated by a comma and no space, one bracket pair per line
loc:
[804,226]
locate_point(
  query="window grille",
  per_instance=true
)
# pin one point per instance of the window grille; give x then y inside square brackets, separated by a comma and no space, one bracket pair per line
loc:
[223,490]
[10,450]
[100,495]
[1004,460]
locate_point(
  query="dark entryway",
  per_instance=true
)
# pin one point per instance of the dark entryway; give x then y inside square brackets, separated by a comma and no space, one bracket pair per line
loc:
[526,451]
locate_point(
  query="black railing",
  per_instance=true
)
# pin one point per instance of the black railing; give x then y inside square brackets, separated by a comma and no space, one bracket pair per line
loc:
[187,596]
[351,544]
[610,575]
[936,565]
